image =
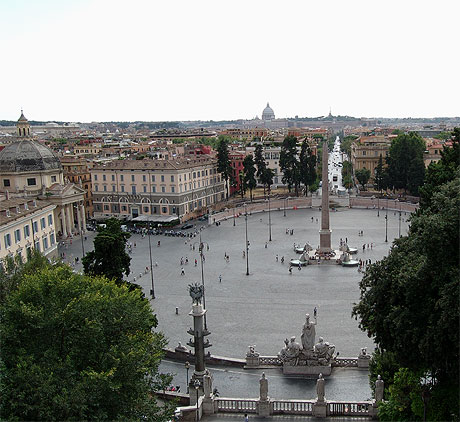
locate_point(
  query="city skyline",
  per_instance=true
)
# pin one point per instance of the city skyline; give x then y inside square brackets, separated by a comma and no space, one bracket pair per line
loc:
[182,61]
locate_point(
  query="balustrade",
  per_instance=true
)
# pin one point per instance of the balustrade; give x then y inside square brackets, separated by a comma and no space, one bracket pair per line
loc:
[236,405]
[293,407]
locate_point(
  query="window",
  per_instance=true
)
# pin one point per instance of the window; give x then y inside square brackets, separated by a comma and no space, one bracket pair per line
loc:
[164,210]
[145,189]
[185,177]
[96,187]
[172,189]
[7,240]
[17,235]
[162,178]
[50,220]
[37,245]
[172,178]
[194,175]
[26,231]
[35,226]
[154,189]
[133,190]
[163,189]
[133,178]
[143,177]
[45,243]
[42,223]
[95,177]
[146,209]
[52,241]
[153,177]
[31,181]
[122,188]
[113,188]
[364,152]
[106,207]
[113,178]
[123,208]
[6,182]
[104,177]
[122,178]
[105,188]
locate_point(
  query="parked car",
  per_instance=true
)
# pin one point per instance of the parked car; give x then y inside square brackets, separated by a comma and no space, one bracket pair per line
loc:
[187,226]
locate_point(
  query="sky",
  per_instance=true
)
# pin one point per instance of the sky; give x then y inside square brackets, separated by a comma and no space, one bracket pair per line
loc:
[157,60]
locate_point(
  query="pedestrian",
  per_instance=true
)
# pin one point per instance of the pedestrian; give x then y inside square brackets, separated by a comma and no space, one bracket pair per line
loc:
[276,257]
[346,240]
[300,266]
[182,272]
[372,245]
[244,254]
[186,260]
[246,417]
[220,278]
[364,247]
[282,259]
[315,311]
[290,269]
[196,262]
[266,245]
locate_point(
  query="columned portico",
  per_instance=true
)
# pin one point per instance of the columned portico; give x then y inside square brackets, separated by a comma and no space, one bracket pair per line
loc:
[63,222]
[69,220]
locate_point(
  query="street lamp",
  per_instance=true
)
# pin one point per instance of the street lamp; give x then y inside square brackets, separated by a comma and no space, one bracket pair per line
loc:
[234,217]
[187,367]
[81,232]
[286,201]
[201,245]
[399,219]
[269,221]
[386,222]
[152,290]
[247,242]
[197,388]
[378,205]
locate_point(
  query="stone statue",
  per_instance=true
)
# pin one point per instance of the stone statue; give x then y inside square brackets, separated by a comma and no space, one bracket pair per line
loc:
[252,351]
[320,348]
[196,292]
[207,384]
[290,352]
[320,388]
[379,386]
[308,333]
[263,383]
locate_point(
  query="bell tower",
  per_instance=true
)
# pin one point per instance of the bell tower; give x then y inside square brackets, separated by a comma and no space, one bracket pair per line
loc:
[23,127]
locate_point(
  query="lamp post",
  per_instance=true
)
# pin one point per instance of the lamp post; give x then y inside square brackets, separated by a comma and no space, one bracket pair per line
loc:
[386,222]
[269,221]
[399,231]
[187,367]
[201,245]
[81,233]
[234,217]
[197,388]
[152,289]
[247,242]
[378,206]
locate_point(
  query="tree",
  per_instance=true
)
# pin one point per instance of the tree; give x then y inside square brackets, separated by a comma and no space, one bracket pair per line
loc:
[249,173]
[267,178]
[363,175]
[345,145]
[347,174]
[109,257]
[307,166]
[289,163]
[260,163]
[405,160]
[223,162]
[409,300]
[243,185]
[443,171]
[79,348]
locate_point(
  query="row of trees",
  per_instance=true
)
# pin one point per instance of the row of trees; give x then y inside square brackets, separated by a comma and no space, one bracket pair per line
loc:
[409,304]
[79,347]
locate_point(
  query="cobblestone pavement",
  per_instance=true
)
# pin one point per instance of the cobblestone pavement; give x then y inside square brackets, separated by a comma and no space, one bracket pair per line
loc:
[270,304]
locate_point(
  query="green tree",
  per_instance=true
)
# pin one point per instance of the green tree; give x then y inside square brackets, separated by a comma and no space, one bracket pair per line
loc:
[289,163]
[307,166]
[363,175]
[409,300]
[79,348]
[381,176]
[267,179]
[260,163]
[243,184]
[443,171]
[405,160]
[345,145]
[223,162]
[109,257]
[249,173]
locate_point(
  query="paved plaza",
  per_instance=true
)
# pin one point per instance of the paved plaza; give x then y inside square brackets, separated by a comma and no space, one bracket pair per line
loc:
[270,304]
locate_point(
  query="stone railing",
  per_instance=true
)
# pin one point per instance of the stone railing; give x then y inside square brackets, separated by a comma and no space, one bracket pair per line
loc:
[255,361]
[392,204]
[292,407]
[270,361]
[228,405]
[345,362]
[346,408]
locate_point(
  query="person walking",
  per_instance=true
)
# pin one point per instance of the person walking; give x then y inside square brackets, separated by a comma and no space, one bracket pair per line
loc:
[220,278]
[182,272]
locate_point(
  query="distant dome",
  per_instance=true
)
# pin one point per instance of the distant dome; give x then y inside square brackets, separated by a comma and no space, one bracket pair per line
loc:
[22,118]
[27,155]
[268,113]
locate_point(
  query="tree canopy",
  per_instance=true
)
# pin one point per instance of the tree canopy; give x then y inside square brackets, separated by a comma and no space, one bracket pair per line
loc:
[307,166]
[109,257]
[79,348]
[363,175]
[223,162]
[289,163]
[249,174]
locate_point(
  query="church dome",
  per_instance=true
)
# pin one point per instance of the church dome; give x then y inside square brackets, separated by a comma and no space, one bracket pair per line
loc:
[26,155]
[268,113]
[22,118]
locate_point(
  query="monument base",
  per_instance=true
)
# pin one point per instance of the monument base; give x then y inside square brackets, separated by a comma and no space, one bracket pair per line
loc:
[263,408]
[320,409]
[307,371]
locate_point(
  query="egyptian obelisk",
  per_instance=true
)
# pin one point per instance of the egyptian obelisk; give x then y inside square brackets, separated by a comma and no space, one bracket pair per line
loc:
[325,232]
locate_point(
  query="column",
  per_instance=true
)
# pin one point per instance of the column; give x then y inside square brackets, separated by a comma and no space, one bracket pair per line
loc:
[69,219]
[63,222]
[83,215]
[80,226]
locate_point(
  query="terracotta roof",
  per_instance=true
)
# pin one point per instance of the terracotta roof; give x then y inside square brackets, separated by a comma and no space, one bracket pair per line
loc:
[12,204]
[148,164]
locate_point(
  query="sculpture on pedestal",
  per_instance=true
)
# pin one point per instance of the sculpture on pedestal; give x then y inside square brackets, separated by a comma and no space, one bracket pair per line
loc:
[308,333]
[320,388]
[263,383]
[379,387]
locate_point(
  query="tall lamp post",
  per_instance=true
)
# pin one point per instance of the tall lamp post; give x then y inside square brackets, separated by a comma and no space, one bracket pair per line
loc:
[399,231]
[81,233]
[234,217]
[187,367]
[269,221]
[152,289]
[378,205]
[247,242]
[201,246]
[386,222]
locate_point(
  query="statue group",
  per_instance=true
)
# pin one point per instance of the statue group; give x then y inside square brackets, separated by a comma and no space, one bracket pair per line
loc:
[308,353]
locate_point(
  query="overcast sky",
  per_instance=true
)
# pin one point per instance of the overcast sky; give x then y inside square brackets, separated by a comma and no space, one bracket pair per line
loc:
[100,60]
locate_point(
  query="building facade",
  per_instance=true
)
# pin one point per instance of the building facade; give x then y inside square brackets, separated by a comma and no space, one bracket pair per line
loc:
[156,189]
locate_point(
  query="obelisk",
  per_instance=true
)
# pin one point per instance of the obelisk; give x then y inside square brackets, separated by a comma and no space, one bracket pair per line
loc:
[325,232]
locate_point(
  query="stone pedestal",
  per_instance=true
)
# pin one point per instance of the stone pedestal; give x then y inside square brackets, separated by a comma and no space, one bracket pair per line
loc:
[320,409]
[263,408]
[252,362]
[373,410]
[363,361]
[307,371]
